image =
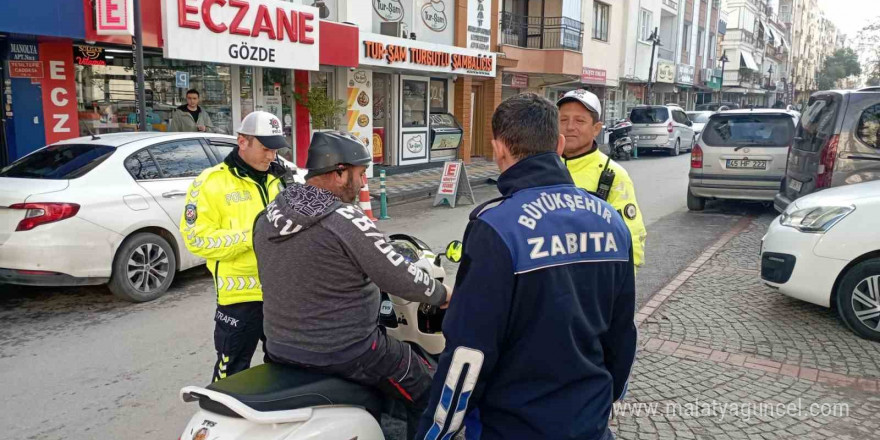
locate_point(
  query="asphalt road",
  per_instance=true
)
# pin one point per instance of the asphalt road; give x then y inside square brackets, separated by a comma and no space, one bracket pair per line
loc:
[76,363]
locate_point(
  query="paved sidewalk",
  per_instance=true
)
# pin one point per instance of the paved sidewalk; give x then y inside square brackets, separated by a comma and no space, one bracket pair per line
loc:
[717,340]
[406,187]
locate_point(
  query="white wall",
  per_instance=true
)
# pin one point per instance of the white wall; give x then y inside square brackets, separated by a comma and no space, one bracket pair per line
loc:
[637,54]
[606,55]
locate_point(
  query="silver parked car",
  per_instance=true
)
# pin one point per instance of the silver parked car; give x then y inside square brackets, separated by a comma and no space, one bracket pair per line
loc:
[837,143]
[740,155]
[662,127]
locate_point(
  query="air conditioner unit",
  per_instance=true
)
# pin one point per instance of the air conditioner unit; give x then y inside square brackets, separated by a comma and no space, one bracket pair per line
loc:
[392,29]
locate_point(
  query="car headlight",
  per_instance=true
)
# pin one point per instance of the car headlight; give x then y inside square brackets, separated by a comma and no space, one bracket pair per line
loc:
[815,219]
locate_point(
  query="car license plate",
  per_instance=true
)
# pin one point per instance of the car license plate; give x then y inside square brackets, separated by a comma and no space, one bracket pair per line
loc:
[795,185]
[747,164]
[646,137]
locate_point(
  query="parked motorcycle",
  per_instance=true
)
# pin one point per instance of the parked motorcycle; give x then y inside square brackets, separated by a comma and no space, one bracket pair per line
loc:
[620,144]
[275,402]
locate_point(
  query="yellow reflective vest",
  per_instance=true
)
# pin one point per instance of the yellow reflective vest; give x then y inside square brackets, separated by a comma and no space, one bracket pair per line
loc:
[585,171]
[217,225]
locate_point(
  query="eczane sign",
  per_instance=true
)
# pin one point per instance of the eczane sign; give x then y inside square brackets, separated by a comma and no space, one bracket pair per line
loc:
[114,17]
[268,33]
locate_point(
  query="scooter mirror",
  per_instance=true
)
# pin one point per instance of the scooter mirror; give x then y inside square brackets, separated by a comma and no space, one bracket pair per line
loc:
[453,251]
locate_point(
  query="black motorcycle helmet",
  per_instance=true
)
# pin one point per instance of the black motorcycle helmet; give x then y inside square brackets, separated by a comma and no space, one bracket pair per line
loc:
[333,150]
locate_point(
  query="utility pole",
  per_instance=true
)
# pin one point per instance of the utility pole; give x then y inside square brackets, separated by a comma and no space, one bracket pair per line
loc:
[724,61]
[137,47]
[655,41]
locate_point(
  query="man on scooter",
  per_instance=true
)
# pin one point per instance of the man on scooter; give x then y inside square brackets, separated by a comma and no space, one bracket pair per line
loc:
[322,263]
[540,337]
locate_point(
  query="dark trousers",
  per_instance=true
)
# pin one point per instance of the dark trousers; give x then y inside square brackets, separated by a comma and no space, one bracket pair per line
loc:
[396,368]
[237,330]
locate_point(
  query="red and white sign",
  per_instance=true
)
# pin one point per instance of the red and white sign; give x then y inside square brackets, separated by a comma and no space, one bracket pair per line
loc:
[25,69]
[593,76]
[59,92]
[519,81]
[449,180]
[115,17]
[268,33]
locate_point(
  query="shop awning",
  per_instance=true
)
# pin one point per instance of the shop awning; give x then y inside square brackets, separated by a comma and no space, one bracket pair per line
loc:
[748,61]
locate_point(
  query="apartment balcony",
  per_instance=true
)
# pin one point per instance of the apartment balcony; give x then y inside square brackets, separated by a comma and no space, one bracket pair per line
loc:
[541,33]
[543,45]
[672,5]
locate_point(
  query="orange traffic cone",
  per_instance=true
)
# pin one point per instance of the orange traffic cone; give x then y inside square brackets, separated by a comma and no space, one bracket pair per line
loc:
[365,201]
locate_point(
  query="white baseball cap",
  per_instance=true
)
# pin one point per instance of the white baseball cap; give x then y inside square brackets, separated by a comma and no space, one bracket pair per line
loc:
[588,99]
[266,127]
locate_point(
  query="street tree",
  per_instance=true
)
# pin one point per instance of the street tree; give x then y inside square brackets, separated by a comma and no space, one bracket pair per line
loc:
[842,64]
[867,42]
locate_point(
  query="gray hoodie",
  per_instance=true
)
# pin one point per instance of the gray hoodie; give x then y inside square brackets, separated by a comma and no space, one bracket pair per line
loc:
[322,263]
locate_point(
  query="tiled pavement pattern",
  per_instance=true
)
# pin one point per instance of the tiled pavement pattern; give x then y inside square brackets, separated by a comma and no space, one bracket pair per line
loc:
[424,183]
[716,334]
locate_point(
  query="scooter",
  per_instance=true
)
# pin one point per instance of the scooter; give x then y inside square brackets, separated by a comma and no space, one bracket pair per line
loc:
[275,402]
[621,145]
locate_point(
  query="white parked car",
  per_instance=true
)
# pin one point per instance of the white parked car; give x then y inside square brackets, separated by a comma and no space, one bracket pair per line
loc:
[104,209]
[699,119]
[825,249]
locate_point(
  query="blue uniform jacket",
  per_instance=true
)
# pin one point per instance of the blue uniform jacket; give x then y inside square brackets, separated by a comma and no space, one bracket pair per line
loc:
[540,334]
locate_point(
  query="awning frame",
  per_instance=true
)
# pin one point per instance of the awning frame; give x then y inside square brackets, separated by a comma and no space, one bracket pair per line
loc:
[749,61]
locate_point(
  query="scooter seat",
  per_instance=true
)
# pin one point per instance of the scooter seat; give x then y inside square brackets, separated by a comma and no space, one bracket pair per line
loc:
[277,387]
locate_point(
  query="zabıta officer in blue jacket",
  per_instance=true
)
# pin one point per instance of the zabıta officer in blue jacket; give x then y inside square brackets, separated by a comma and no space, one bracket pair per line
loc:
[540,336]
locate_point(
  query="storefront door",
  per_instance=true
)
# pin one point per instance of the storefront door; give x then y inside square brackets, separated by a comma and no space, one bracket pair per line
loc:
[383,120]
[276,97]
[414,120]
[270,90]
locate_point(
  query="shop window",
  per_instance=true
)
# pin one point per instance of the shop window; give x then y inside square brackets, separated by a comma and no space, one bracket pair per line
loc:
[106,93]
[415,103]
[322,81]
[439,96]
[180,159]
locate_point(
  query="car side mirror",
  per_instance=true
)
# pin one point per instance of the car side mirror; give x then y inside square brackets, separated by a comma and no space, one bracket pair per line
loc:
[454,250]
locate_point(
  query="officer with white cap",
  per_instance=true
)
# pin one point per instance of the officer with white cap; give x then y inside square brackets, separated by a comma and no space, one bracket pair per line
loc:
[580,114]
[217,225]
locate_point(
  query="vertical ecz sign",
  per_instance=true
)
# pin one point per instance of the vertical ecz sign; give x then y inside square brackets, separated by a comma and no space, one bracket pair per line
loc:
[59,92]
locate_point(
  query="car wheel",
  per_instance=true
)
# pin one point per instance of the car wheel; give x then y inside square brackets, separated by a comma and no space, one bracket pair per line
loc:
[677,150]
[695,203]
[858,299]
[143,268]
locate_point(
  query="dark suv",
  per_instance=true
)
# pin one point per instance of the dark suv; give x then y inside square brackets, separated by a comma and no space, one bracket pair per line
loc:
[837,142]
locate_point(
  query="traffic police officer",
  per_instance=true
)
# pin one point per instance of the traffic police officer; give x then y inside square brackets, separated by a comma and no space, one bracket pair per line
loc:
[221,206]
[592,170]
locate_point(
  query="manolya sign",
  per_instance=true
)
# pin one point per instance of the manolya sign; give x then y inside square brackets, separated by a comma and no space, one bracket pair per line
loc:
[268,33]
[384,51]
